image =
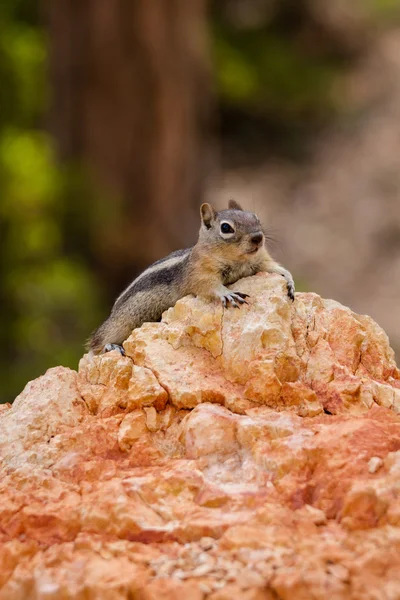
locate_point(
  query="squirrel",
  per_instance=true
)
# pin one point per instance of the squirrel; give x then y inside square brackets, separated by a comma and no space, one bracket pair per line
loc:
[231,245]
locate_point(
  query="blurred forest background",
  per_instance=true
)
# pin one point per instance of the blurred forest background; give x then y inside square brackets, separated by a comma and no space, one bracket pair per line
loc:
[118,118]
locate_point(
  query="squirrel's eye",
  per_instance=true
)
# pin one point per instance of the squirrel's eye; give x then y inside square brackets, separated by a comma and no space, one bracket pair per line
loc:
[226,228]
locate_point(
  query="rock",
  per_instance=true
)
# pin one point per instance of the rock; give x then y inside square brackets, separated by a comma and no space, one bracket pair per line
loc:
[132,427]
[375,464]
[231,454]
[112,381]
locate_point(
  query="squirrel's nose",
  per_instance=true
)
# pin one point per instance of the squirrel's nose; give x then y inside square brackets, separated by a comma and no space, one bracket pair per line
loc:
[256,238]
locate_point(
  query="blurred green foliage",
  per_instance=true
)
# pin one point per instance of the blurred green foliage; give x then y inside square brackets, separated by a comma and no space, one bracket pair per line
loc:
[385,11]
[277,67]
[259,71]
[277,64]
[48,297]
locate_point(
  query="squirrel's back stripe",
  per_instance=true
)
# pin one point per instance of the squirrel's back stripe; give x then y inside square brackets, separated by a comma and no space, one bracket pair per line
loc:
[153,272]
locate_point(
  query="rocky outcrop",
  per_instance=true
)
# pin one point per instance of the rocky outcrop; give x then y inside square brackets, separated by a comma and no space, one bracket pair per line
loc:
[250,453]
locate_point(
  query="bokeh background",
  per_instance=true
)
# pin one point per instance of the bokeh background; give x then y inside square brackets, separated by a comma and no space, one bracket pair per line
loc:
[118,118]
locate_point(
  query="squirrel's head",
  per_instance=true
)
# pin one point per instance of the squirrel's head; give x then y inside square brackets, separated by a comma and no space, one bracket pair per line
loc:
[235,230]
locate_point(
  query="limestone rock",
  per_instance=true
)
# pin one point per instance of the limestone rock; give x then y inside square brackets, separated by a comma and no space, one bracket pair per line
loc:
[250,453]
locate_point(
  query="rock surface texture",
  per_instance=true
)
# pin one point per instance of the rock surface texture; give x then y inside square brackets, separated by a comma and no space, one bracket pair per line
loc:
[250,453]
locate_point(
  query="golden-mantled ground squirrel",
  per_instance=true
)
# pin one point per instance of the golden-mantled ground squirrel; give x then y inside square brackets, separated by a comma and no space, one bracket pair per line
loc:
[231,245]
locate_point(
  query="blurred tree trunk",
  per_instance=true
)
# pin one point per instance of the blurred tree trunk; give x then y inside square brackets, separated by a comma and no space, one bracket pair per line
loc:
[131,103]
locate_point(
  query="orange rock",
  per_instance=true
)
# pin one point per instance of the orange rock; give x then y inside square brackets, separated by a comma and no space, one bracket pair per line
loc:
[231,454]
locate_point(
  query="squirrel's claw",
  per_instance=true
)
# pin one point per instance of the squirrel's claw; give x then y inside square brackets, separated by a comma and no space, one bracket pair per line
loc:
[110,347]
[235,299]
[290,290]
[289,280]
[233,302]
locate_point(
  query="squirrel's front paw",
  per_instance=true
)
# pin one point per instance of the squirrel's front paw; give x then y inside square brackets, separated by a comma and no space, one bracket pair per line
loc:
[289,282]
[110,347]
[290,290]
[234,298]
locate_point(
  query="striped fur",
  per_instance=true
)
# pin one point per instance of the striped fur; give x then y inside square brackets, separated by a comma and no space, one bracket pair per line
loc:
[145,299]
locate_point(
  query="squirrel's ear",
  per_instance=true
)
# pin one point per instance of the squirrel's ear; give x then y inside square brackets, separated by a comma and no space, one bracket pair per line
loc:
[233,205]
[207,214]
